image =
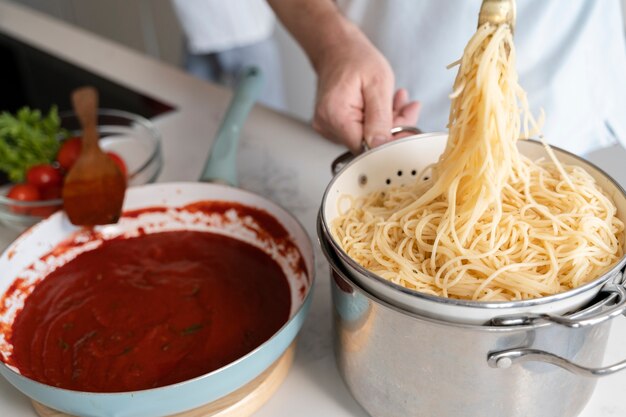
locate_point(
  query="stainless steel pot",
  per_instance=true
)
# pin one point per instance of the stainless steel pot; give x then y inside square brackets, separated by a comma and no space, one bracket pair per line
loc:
[398,364]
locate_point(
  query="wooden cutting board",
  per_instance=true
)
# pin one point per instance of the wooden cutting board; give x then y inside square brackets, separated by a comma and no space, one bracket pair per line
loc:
[240,403]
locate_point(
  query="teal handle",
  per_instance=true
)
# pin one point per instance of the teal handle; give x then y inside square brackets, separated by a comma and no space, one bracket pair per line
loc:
[221,165]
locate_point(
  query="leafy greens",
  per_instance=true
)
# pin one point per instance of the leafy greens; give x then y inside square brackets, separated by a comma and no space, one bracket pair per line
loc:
[26,139]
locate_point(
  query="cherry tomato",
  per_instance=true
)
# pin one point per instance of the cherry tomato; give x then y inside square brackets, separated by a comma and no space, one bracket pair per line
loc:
[23,192]
[69,152]
[119,162]
[43,176]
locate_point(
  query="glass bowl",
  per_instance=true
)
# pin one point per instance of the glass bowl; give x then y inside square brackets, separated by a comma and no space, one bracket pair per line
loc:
[134,138]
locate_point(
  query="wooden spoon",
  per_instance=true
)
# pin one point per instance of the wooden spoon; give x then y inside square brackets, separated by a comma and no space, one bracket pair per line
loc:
[94,188]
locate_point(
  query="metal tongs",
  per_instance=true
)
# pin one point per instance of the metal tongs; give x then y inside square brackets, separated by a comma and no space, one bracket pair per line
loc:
[497,12]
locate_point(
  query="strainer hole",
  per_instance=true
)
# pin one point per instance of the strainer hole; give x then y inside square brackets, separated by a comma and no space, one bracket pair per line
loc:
[362,180]
[388,181]
[399,173]
[414,172]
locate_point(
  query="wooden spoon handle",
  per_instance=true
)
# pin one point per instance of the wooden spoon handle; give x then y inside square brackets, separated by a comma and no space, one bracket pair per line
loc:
[85,102]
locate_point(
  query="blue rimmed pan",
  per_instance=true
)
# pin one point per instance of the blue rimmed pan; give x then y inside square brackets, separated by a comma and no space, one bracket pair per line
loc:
[46,235]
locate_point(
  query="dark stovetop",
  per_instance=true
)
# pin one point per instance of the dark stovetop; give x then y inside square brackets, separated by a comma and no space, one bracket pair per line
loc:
[31,77]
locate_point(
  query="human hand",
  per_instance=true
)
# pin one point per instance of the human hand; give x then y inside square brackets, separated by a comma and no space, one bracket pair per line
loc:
[355,98]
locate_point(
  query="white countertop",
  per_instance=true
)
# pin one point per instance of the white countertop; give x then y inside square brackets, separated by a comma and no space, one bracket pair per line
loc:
[281,159]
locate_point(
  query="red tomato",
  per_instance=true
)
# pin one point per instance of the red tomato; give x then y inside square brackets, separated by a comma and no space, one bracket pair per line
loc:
[119,162]
[23,192]
[43,176]
[69,152]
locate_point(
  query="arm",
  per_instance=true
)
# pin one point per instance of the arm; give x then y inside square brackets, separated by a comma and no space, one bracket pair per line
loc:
[355,98]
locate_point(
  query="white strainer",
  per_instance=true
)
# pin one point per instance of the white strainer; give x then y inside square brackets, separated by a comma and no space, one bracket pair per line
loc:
[401,161]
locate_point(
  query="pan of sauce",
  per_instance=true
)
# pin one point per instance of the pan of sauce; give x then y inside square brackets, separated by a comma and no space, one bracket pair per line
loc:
[198,289]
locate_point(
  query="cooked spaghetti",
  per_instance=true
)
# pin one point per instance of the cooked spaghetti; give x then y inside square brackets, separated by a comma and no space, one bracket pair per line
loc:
[489,224]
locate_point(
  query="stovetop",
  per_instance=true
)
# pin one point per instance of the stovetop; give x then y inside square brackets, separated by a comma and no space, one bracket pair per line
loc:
[32,77]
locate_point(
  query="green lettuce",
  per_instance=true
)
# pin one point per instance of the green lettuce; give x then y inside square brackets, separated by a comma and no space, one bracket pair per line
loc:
[28,138]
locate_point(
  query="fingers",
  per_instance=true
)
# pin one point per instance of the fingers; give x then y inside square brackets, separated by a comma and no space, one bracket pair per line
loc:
[348,115]
[400,99]
[339,122]
[378,113]
[407,114]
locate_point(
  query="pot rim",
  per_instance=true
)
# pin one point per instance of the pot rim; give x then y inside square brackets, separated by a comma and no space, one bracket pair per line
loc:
[495,305]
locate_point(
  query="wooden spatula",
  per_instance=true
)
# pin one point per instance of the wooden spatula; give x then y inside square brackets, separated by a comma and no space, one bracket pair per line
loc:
[94,188]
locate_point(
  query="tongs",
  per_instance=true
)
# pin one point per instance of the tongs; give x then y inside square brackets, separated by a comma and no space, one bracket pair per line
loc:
[497,12]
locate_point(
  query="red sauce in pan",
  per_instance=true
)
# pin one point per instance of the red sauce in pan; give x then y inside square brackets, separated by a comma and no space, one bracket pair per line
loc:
[149,311]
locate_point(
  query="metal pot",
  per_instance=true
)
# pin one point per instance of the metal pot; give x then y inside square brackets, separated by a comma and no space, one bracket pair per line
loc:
[399,162]
[398,364]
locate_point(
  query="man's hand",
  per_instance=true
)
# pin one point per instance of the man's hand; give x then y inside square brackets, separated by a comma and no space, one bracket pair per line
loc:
[355,97]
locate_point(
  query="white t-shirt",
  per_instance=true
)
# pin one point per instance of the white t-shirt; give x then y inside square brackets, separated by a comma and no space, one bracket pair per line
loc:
[219,25]
[571,57]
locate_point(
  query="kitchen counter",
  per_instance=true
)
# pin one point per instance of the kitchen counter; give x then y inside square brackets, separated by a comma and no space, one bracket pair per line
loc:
[281,159]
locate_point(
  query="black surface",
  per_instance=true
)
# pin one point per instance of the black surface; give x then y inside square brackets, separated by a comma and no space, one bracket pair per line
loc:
[31,77]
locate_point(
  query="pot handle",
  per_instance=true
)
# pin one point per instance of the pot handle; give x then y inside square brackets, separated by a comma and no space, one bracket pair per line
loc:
[612,306]
[506,358]
[221,164]
[346,157]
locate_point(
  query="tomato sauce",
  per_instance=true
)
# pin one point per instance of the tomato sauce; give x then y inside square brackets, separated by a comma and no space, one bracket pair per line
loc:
[149,311]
